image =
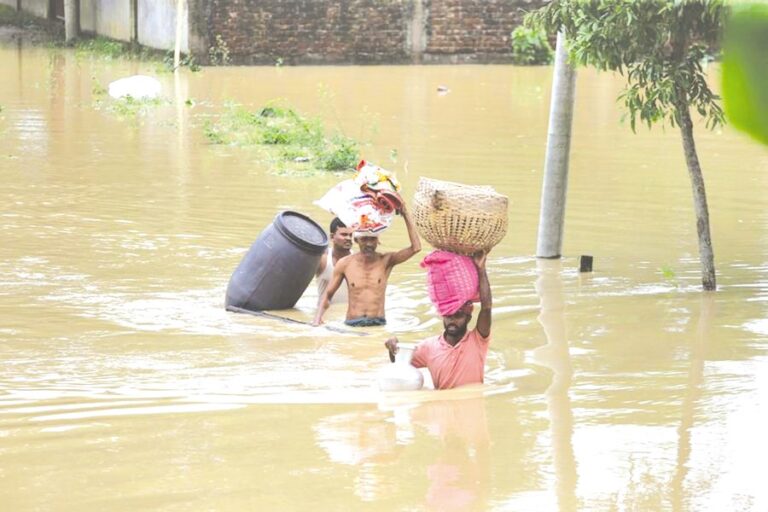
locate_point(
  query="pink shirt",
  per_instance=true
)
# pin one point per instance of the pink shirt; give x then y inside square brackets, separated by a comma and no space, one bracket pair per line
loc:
[453,366]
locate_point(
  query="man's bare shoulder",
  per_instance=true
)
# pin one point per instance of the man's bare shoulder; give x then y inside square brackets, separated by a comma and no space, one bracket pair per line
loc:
[346,260]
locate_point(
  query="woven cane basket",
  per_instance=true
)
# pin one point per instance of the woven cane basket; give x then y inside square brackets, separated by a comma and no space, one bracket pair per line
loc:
[459,218]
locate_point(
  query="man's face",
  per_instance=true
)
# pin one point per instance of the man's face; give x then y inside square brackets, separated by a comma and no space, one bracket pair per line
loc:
[342,238]
[456,324]
[368,244]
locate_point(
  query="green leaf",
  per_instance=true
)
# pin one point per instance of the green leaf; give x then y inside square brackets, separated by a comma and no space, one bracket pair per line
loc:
[745,70]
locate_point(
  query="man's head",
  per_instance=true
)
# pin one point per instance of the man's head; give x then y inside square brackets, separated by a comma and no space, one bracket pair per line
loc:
[367,242]
[456,324]
[341,235]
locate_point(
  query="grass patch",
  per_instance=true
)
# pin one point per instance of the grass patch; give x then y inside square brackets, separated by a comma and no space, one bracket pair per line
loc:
[290,141]
[108,49]
[104,48]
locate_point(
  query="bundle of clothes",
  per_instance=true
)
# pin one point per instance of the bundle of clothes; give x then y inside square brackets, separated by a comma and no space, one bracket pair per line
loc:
[367,202]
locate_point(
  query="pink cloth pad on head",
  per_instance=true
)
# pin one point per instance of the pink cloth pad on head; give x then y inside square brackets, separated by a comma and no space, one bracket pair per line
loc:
[451,280]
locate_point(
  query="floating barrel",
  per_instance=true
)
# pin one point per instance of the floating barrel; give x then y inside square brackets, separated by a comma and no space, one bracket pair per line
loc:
[279,265]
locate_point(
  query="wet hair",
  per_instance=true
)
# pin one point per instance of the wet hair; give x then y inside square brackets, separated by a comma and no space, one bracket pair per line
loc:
[336,224]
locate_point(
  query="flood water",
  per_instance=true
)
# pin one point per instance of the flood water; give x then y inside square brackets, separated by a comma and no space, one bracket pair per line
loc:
[125,385]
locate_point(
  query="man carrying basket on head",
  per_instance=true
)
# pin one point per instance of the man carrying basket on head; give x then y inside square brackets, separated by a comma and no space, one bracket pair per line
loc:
[457,357]
[458,220]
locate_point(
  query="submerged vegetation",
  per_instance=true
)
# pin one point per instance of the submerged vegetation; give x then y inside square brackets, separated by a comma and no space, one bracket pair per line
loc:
[290,140]
[127,108]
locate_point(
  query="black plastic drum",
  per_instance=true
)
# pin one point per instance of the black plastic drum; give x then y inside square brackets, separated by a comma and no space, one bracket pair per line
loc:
[279,265]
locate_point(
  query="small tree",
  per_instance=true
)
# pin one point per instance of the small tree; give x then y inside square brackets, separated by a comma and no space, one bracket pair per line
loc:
[658,45]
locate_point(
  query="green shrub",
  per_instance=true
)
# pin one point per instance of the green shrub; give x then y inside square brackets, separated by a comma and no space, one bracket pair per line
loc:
[218,54]
[287,139]
[103,47]
[341,154]
[530,46]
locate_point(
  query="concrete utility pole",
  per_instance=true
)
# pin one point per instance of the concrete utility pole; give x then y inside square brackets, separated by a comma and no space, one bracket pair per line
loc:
[179,25]
[555,186]
[71,22]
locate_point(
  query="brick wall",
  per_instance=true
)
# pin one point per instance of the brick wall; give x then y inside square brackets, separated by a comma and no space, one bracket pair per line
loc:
[358,31]
[473,30]
[311,31]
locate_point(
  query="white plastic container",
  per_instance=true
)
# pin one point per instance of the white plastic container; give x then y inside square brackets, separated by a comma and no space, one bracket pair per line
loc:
[400,375]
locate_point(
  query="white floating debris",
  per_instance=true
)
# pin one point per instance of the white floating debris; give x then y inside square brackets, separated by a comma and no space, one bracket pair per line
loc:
[136,86]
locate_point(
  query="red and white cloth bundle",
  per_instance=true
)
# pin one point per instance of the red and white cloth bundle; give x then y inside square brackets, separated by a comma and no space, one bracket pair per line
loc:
[367,202]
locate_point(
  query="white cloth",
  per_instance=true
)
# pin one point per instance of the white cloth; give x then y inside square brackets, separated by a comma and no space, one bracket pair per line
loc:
[325,277]
[355,209]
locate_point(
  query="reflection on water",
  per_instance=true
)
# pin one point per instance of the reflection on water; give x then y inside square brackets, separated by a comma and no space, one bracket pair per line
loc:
[555,356]
[457,470]
[126,385]
[459,476]
[692,394]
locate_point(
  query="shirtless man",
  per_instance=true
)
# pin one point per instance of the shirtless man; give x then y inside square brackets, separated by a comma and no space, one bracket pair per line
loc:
[366,273]
[341,243]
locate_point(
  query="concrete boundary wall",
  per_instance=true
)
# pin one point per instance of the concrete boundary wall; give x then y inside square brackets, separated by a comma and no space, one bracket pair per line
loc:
[157,24]
[88,15]
[113,19]
[9,3]
[312,31]
[39,8]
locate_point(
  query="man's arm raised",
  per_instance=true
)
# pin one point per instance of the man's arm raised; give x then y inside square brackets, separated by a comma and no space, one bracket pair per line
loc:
[483,325]
[333,285]
[405,254]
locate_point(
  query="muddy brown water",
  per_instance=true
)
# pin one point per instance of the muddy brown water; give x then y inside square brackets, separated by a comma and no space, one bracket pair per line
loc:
[125,385]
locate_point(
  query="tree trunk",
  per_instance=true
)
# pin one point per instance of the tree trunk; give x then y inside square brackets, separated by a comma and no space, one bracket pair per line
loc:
[706,254]
[71,22]
[555,185]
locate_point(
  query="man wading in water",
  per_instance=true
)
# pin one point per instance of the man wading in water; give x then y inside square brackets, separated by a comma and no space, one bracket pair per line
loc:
[457,357]
[341,243]
[367,273]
